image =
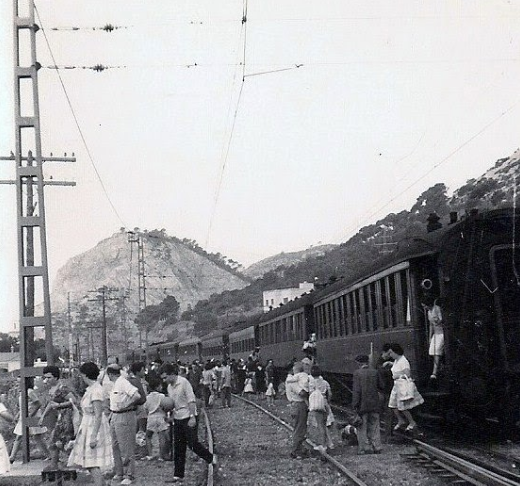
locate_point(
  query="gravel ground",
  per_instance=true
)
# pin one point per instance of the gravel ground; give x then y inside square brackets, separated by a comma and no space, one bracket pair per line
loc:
[258,454]
[253,450]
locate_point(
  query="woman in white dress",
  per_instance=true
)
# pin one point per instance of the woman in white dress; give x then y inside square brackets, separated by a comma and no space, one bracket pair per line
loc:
[436,333]
[93,445]
[402,408]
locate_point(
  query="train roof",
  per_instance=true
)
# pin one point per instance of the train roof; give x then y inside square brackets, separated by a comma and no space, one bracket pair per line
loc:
[415,247]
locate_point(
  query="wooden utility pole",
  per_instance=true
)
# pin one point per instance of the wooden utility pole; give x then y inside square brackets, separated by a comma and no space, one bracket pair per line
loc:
[32,271]
[103,297]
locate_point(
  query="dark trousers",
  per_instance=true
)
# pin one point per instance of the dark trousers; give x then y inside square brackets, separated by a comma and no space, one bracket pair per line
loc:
[186,436]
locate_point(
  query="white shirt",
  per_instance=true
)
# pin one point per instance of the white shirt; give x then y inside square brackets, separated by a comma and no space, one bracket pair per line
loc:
[182,394]
[294,384]
[123,393]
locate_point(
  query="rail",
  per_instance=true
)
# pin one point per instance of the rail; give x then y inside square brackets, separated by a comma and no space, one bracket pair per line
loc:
[343,470]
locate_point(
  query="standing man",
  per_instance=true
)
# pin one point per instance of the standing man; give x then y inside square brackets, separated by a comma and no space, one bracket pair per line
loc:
[383,366]
[136,376]
[297,392]
[184,420]
[366,402]
[124,398]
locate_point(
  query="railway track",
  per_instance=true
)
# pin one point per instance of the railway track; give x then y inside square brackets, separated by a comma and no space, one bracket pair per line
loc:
[459,468]
[344,471]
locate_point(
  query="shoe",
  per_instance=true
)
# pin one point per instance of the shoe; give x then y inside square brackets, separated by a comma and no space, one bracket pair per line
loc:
[177,479]
[433,377]
[215,460]
[149,458]
[398,427]
[410,428]
[126,481]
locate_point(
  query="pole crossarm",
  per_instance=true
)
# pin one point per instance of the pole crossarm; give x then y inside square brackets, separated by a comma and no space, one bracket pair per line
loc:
[45,183]
[43,159]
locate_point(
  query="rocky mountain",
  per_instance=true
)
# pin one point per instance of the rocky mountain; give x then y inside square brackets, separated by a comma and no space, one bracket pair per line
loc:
[174,267]
[171,268]
[256,270]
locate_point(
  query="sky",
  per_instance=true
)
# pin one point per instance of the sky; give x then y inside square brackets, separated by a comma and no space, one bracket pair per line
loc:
[295,128]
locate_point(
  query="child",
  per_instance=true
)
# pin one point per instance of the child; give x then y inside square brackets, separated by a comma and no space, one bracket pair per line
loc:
[156,422]
[36,432]
[5,464]
[270,393]
[248,386]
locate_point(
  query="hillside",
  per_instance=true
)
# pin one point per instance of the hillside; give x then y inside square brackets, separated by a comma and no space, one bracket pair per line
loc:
[173,267]
[256,270]
[496,188]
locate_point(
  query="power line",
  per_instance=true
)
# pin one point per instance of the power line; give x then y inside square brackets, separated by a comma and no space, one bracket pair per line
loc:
[77,121]
[438,164]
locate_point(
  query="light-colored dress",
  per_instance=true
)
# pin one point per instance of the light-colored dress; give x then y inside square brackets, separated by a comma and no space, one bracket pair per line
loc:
[5,465]
[401,364]
[437,331]
[33,400]
[82,454]
[156,415]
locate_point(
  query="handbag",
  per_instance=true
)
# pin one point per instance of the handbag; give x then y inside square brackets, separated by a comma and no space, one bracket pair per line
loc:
[405,388]
[317,402]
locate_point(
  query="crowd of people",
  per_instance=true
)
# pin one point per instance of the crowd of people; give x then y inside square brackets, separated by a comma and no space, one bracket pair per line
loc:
[95,418]
[386,386]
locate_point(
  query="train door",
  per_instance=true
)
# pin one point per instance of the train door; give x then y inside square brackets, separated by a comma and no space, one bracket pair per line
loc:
[505,268]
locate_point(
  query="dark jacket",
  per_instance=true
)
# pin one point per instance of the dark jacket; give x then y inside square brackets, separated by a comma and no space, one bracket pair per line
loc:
[366,388]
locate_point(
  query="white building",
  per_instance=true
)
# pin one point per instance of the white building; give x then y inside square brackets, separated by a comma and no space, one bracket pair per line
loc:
[273,298]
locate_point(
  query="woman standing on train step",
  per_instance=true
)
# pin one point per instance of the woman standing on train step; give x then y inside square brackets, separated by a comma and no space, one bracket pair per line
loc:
[401,370]
[436,333]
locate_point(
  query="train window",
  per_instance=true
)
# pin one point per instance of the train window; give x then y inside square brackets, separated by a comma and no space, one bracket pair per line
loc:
[373,305]
[355,314]
[330,319]
[338,326]
[284,329]
[365,302]
[334,323]
[348,324]
[321,316]
[385,303]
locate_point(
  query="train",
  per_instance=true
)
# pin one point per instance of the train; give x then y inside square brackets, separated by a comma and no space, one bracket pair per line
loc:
[472,268]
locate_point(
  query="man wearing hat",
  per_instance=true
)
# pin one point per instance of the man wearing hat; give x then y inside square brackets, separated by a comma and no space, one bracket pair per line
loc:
[365,400]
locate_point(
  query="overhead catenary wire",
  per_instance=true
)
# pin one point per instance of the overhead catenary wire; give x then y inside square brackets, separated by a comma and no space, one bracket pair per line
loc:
[438,164]
[87,148]
[230,138]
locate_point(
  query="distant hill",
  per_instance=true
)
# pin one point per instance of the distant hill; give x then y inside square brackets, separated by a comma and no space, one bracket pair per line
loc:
[174,267]
[256,270]
[495,188]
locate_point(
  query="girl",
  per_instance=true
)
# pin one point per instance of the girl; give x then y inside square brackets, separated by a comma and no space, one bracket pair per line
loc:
[270,393]
[93,445]
[402,408]
[248,385]
[36,432]
[156,422]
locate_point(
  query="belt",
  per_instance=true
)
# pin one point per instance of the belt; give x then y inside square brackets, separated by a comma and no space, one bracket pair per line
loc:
[124,411]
